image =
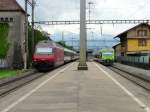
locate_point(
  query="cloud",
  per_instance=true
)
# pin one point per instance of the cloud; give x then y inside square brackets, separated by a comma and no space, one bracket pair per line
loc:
[101,9]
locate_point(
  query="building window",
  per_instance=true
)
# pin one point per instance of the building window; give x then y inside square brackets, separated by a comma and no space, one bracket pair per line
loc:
[142,33]
[6,19]
[11,20]
[142,42]
[2,19]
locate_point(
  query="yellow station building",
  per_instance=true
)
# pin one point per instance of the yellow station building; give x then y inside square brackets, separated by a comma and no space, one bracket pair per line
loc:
[134,42]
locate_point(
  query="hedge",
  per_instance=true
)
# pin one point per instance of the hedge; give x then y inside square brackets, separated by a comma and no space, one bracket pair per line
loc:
[4,45]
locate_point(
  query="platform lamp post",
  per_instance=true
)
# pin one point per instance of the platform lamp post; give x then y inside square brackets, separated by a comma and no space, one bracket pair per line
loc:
[82,64]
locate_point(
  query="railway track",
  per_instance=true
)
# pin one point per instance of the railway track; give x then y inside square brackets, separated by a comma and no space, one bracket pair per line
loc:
[139,80]
[11,85]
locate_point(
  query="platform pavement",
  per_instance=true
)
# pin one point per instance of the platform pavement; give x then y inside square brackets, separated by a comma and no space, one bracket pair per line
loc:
[76,91]
[145,74]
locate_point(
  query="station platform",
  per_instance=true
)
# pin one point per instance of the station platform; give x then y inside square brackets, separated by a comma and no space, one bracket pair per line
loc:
[69,90]
[140,72]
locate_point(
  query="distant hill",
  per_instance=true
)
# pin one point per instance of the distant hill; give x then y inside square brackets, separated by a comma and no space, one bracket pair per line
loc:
[95,40]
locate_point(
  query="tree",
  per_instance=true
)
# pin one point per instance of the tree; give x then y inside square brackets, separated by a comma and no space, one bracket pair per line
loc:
[62,43]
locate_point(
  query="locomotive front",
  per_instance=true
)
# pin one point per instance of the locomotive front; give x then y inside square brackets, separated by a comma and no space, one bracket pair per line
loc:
[43,57]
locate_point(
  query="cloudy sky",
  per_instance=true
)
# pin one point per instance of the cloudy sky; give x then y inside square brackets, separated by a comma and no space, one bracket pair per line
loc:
[101,9]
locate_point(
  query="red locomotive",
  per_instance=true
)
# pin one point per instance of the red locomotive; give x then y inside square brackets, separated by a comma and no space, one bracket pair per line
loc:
[49,55]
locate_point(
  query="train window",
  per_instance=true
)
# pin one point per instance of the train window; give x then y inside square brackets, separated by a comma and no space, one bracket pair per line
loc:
[44,50]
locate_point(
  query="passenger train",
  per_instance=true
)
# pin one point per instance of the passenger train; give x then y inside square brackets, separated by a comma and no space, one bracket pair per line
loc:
[49,55]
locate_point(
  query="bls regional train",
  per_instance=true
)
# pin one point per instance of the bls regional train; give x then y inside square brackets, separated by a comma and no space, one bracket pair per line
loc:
[105,56]
[48,55]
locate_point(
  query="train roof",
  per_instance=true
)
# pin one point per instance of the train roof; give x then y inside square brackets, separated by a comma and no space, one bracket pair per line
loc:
[49,43]
[106,49]
[68,50]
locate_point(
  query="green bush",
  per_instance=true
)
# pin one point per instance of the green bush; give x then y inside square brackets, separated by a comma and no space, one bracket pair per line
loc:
[4,45]
[38,36]
[62,43]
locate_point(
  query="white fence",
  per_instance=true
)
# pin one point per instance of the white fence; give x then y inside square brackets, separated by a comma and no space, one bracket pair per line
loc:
[135,59]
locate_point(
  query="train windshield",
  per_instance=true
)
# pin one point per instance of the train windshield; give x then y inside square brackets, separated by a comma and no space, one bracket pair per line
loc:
[44,50]
[108,54]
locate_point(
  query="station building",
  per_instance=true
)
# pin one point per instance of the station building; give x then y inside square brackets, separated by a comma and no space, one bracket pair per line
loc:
[13,14]
[134,42]
[117,50]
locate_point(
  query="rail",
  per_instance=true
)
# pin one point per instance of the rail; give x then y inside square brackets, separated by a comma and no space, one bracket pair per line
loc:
[140,79]
[9,84]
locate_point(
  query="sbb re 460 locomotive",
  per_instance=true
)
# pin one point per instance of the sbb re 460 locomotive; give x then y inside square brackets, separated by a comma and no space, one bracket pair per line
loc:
[48,55]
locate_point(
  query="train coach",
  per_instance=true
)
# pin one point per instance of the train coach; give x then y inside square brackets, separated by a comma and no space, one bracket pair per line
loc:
[70,55]
[49,55]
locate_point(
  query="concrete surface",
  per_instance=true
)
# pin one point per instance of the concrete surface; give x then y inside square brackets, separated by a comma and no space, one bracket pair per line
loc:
[142,73]
[71,91]
[138,91]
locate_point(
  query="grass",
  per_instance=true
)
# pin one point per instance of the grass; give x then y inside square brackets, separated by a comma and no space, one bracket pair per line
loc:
[4,45]
[4,73]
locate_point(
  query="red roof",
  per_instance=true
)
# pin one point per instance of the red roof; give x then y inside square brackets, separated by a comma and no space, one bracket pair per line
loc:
[10,5]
